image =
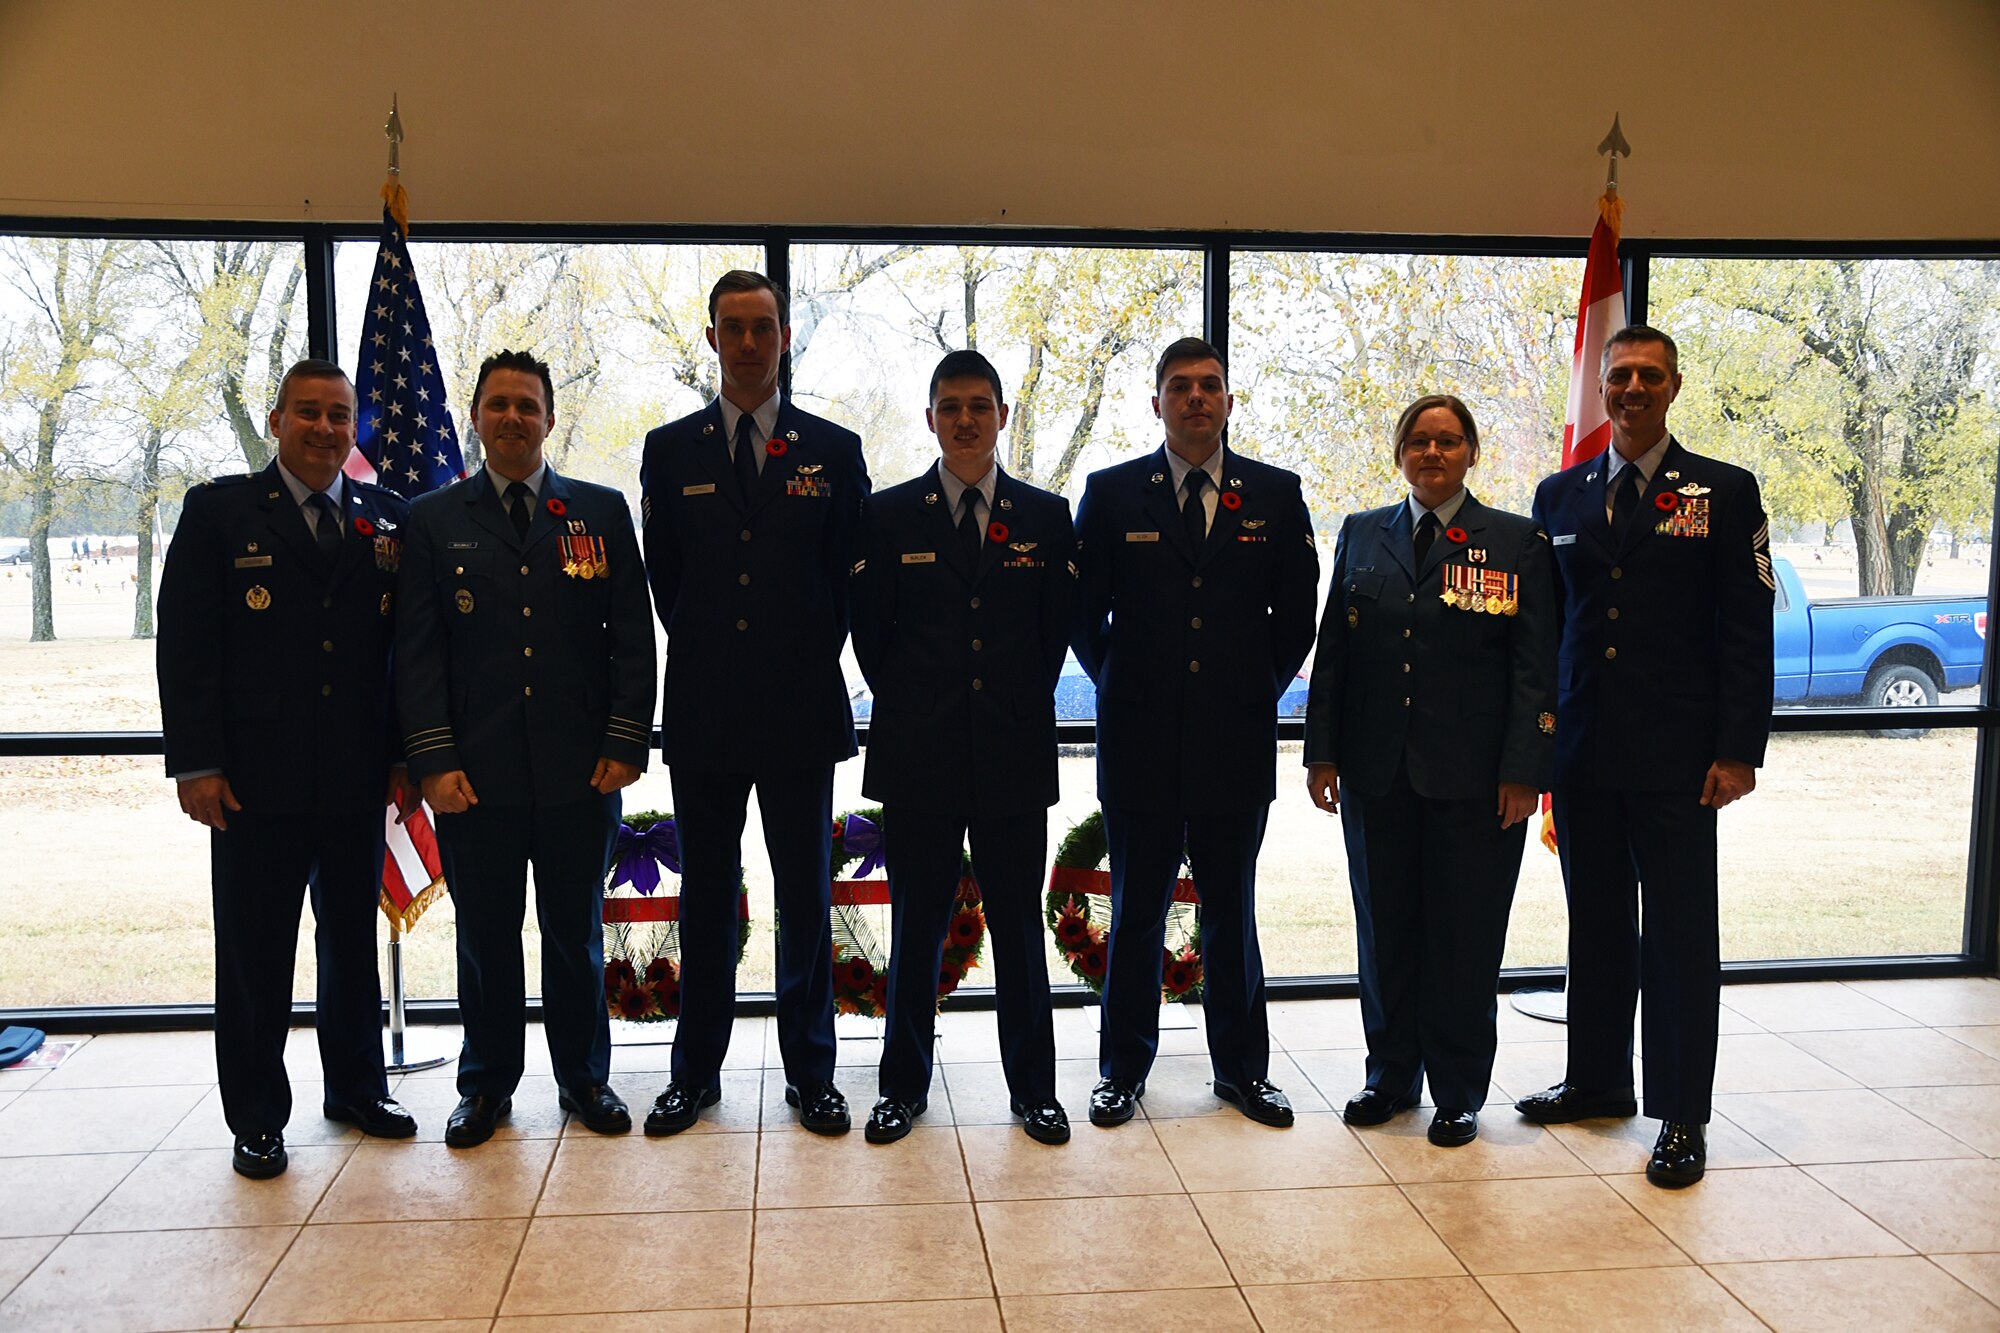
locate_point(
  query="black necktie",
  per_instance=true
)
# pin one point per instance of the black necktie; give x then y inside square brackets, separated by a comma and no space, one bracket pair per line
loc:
[1193,512]
[520,501]
[326,526]
[1624,498]
[746,458]
[969,534]
[1427,532]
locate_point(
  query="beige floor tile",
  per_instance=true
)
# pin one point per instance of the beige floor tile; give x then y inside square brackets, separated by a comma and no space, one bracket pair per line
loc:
[19,1255]
[1005,1163]
[126,1283]
[1385,1305]
[1617,1147]
[1522,1067]
[1076,1034]
[1507,1146]
[802,1170]
[1775,1212]
[1323,1235]
[534,1114]
[1811,1006]
[92,1120]
[1766,1063]
[1665,1299]
[302,1051]
[1981,1272]
[1857,1125]
[5,1097]
[428,1182]
[1875,1294]
[631,1261]
[650,1321]
[913,1252]
[48,1196]
[1937,1207]
[857,1083]
[20,1080]
[137,1059]
[337,1274]
[204,1127]
[193,1188]
[1034,1245]
[1900,1057]
[741,1110]
[982,1316]
[979,1093]
[1539,1226]
[853,1052]
[967,1037]
[398,1326]
[1317,1025]
[1986,1039]
[1207,1308]
[1939,1001]
[1510,1024]
[1181,1086]
[685,1173]
[1214,1153]
[1730,1022]
[649,1047]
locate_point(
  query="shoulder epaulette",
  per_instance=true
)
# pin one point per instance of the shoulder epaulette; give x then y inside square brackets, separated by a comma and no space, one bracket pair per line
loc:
[232,479]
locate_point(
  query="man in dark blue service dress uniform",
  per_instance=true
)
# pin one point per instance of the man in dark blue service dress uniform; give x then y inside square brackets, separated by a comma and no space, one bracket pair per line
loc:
[525,675]
[1199,577]
[1664,708]
[1432,714]
[963,604]
[752,524]
[276,622]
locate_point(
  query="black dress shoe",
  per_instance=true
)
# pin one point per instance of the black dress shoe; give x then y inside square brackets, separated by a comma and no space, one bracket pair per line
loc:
[259,1156]
[677,1108]
[1453,1129]
[472,1120]
[1258,1099]
[1372,1106]
[1044,1121]
[381,1118]
[891,1119]
[822,1108]
[1563,1104]
[1680,1156]
[1114,1100]
[599,1108]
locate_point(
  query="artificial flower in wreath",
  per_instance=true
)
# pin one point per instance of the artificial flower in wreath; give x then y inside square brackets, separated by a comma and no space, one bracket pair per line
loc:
[642,936]
[860,962]
[1078,909]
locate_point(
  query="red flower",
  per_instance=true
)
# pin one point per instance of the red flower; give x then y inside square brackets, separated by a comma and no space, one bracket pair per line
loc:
[363,526]
[965,927]
[878,994]
[1666,502]
[660,969]
[1231,500]
[1071,931]
[1455,535]
[776,447]
[1092,961]
[555,506]
[633,1003]
[996,532]
[667,998]
[618,974]
[855,973]
[1181,974]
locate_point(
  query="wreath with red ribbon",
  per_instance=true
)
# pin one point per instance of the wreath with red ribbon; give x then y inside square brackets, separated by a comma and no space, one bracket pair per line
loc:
[1078,908]
[860,962]
[642,933]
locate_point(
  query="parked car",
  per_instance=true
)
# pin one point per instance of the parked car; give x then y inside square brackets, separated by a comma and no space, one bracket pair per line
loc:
[1076,696]
[1882,652]
[16,553]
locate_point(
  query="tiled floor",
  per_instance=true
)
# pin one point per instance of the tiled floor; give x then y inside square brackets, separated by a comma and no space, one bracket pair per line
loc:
[1853,1183]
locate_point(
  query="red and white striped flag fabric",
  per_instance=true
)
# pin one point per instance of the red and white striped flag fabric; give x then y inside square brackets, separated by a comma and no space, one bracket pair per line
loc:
[412,875]
[1599,314]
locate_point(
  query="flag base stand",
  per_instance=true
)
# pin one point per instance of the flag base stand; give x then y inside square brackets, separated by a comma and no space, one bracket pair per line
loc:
[1551,1006]
[406,1052]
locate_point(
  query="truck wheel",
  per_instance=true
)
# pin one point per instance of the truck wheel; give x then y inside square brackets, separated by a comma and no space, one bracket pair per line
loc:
[1897,686]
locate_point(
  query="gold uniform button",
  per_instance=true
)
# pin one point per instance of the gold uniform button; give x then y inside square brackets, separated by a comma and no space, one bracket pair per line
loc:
[745,536]
[1197,580]
[1195,623]
[527,610]
[978,684]
[459,569]
[1406,703]
[1406,668]
[1406,634]
[1617,573]
[326,603]
[326,647]
[325,690]
[975,603]
[1410,598]
[524,569]
[1610,654]
[1194,666]
[743,624]
[1612,613]
[977,645]
[527,652]
[527,690]
[743,579]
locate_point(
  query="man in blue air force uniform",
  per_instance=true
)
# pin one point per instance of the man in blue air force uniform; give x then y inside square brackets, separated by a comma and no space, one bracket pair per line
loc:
[276,622]
[525,679]
[1199,575]
[752,523]
[963,605]
[1664,709]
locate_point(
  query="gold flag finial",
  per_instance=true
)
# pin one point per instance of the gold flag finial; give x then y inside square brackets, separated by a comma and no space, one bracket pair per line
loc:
[397,202]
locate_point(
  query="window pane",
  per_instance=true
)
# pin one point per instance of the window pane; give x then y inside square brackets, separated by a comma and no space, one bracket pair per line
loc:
[129,370]
[1865,395]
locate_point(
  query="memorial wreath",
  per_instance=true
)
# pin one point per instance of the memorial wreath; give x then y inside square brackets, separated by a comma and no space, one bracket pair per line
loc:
[860,963]
[642,933]
[1079,915]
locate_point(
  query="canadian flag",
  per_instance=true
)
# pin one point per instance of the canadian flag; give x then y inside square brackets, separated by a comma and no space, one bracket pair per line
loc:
[1599,314]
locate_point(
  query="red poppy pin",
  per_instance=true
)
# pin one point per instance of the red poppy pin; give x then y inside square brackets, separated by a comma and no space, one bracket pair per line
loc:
[1231,500]
[776,447]
[1666,502]
[996,532]
[556,507]
[1455,535]
[363,526]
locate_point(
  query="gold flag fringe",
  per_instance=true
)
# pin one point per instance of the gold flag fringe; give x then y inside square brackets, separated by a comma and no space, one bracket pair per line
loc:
[401,923]
[398,202]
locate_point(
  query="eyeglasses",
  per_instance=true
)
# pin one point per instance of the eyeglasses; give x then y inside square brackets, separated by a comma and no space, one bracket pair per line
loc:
[1446,444]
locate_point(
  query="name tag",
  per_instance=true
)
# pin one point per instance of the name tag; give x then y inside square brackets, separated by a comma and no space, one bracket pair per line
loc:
[252,561]
[461,546]
[706,488]
[1142,536]
[920,557]
[1566,539]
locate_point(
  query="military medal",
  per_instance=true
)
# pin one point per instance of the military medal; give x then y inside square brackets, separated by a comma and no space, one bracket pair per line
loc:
[258,598]
[464,600]
[1493,592]
[387,601]
[388,554]
[1547,722]
[583,558]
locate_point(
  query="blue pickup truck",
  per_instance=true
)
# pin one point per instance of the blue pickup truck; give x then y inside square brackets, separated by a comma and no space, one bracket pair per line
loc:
[1879,652]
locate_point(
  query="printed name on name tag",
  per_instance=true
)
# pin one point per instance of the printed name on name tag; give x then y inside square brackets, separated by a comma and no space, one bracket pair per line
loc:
[920,557]
[706,488]
[1142,536]
[1566,539]
[252,561]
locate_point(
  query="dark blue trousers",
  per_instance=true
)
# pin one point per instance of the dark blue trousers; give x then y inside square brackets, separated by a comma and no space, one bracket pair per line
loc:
[486,853]
[1612,843]
[797,810]
[1145,861]
[1008,854]
[260,871]
[1432,892]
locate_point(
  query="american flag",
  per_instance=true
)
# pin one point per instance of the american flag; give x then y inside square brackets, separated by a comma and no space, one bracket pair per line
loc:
[406,442]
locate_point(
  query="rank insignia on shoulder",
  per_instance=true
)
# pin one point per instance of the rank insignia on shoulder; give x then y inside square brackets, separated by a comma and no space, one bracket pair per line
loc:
[1547,722]
[463,599]
[1022,547]
[1072,569]
[258,598]
[859,565]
